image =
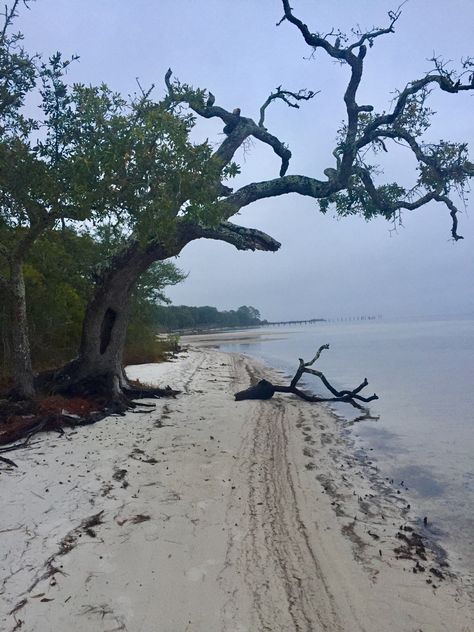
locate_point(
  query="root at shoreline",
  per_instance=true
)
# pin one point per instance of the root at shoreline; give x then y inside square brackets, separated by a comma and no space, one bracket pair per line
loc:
[21,420]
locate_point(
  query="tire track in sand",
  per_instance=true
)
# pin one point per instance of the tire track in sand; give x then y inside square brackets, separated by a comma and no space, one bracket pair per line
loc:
[271,575]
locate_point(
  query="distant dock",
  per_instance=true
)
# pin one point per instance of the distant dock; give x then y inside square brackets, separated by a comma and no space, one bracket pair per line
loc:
[311,321]
[294,322]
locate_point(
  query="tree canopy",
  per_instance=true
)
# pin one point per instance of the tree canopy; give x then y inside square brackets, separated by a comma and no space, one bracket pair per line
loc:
[175,317]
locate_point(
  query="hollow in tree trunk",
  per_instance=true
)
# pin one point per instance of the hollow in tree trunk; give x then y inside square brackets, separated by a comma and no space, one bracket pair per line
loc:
[98,369]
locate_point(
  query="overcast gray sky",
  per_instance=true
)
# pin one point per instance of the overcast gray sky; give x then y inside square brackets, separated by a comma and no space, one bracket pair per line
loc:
[326,267]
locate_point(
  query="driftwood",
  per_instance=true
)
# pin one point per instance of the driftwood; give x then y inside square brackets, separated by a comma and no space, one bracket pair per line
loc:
[265,389]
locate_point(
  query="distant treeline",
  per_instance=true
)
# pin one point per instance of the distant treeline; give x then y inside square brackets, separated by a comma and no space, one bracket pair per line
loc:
[175,317]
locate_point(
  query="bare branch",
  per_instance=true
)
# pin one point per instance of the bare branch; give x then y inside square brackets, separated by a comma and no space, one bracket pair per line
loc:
[445,82]
[316,357]
[370,36]
[312,39]
[241,237]
[290,98]
[316,40]
[303,185]
[237,128]
[9,15]
[453,212]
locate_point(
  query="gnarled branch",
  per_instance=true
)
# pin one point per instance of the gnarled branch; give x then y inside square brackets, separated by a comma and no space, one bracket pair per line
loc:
[290,98]
[350,184]
[237,128]
[241,237]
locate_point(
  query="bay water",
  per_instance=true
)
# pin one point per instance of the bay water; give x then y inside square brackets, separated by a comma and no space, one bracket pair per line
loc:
[420,433]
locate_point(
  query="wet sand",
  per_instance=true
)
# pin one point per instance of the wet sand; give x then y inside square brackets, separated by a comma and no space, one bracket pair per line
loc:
[209,515]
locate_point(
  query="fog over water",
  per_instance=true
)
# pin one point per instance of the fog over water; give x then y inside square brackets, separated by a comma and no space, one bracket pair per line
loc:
[325,267]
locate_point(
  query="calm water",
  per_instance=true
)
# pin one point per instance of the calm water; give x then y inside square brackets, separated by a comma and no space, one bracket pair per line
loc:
[423,373]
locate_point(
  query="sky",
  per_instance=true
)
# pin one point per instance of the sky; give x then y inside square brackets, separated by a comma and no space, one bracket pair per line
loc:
[327,267]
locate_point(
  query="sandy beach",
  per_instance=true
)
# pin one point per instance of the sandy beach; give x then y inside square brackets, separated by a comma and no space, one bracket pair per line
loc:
[208,515]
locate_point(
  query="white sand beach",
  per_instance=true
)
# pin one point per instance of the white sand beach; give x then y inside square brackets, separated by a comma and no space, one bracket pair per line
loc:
[208,515]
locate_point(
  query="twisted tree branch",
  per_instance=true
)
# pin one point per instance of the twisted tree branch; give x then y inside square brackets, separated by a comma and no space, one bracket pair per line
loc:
[237,128]
[290,98]
[437,172]
[241,237]
[453,212]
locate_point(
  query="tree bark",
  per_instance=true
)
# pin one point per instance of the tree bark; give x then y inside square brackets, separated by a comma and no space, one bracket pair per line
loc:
[98,368]
[23,380]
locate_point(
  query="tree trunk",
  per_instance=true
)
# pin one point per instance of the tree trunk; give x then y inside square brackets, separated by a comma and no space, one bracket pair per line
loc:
[23,382]
[98,368]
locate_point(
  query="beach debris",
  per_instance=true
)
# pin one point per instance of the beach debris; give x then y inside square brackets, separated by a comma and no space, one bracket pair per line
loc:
[86,526]
[137,519]
[8,461]
[265,389]
[119,474]
[18,606]
[436,572]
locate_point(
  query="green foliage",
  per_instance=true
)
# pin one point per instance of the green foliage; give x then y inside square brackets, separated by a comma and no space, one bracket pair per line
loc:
[59,283]
[445,167]
[355,200]
[125,165]
[143,343]
[17,78]
[109,171]
[174,317]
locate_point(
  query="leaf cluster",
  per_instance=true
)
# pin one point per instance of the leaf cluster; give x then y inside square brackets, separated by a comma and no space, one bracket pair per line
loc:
[356,200]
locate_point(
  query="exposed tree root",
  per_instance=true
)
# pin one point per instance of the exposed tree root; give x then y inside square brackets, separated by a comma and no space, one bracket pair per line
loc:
[69,402]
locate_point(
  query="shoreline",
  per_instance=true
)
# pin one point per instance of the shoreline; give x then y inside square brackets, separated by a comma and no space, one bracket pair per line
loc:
[206,514]
[440,534]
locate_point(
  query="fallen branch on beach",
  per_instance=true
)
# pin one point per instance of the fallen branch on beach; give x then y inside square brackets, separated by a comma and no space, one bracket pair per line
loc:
[265,389]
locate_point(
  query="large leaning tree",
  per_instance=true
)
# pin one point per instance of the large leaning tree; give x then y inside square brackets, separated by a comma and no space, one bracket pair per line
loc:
[162,191]
[351,183]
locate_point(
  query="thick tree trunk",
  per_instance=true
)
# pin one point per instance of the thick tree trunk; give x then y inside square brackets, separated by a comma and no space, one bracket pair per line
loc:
[23,382]
[98,368]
